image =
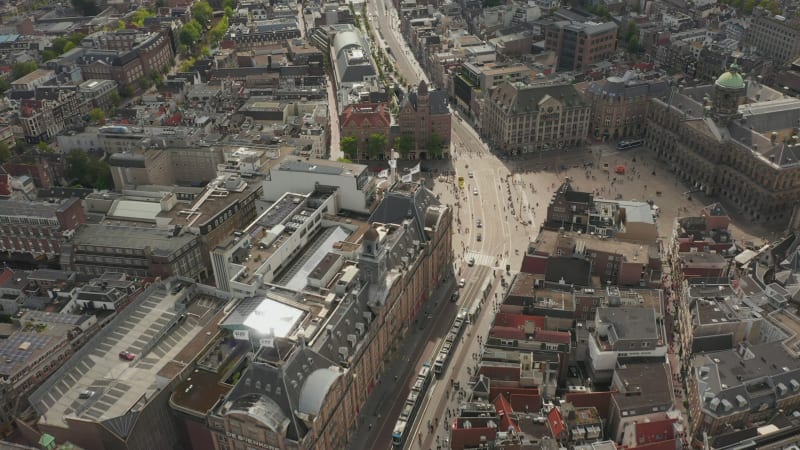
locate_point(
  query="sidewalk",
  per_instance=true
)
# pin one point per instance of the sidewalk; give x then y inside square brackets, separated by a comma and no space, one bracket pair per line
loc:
[376,416]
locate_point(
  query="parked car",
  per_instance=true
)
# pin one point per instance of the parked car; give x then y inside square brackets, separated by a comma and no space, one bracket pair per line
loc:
[85,395]
[126,355]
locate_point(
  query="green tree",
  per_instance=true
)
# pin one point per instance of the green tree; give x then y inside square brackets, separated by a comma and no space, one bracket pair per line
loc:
[404,144]
[344,160]
[630,30]
[114,97]
[5,153]
[435,145]
[228,11]
[4,85]
[633,44]
[229,4]
[349,146]
[48,54]
[44,147]
[77,164]
[139,16]
[202,12]
[190,33]
[69,46]
[219,30]
[88,172]
[376,145]
[20,69]
[97,115]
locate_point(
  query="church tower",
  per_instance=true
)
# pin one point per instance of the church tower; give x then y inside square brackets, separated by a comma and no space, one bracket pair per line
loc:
[729,89]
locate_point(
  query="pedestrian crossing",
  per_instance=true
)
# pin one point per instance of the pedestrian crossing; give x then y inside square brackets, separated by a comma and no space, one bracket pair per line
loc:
[484,260]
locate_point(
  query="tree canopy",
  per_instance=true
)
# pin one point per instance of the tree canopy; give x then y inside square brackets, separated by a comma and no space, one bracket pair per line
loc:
[89,172]
[191,33]
[202,12]
[20,69]
[376,145]
[97,115]
[349,146]
[404,144]
[5,153]
[435,145]
[140,15]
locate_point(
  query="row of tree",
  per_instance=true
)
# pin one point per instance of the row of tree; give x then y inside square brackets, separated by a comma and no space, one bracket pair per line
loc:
[376,146]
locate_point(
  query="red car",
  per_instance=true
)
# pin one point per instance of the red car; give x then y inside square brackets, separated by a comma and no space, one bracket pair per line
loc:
[126,355]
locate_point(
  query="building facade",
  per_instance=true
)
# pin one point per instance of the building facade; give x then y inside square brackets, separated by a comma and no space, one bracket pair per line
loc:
[579,45]
[619,105]
[425,118]
[137,251]
[776,37]
[362,120]
[522,118]
[38,229]
[731,146]
[305,387]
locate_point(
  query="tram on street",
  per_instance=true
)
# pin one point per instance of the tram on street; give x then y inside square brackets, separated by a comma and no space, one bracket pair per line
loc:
[449,344]
[411,406]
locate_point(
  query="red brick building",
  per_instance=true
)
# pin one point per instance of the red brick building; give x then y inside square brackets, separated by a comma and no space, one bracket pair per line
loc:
[580,45]
[423,115]
[37,228]
[362,120]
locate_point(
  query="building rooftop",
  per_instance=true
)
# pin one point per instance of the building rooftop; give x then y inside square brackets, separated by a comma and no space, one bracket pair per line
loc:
[33,76]
[36,335]
[643,387]
[629,323]
[157,329]
[550,241]
[159,241]
[730,381]
[14,208]
[322,167]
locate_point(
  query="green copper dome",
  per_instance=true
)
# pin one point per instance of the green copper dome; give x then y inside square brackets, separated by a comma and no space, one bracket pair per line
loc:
[731,79]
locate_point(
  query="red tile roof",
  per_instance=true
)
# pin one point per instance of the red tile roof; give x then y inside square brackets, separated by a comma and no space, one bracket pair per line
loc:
[554,337]
[494,391]
[526,403]
[500,373]
[507,333]
[669,444]
[600,400]
[504,411]
[517,320]
[5,276]
[555,423]
[369,114]
[5,184]
[650,432]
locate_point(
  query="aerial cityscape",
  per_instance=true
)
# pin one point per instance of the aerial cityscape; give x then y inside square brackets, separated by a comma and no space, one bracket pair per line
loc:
[400,225]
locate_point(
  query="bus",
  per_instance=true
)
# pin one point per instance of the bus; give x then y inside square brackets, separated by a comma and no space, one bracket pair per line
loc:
[411,406]
[630,143]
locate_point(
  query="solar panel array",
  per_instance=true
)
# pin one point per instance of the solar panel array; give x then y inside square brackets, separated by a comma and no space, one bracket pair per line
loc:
[10,354]
[68,319]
